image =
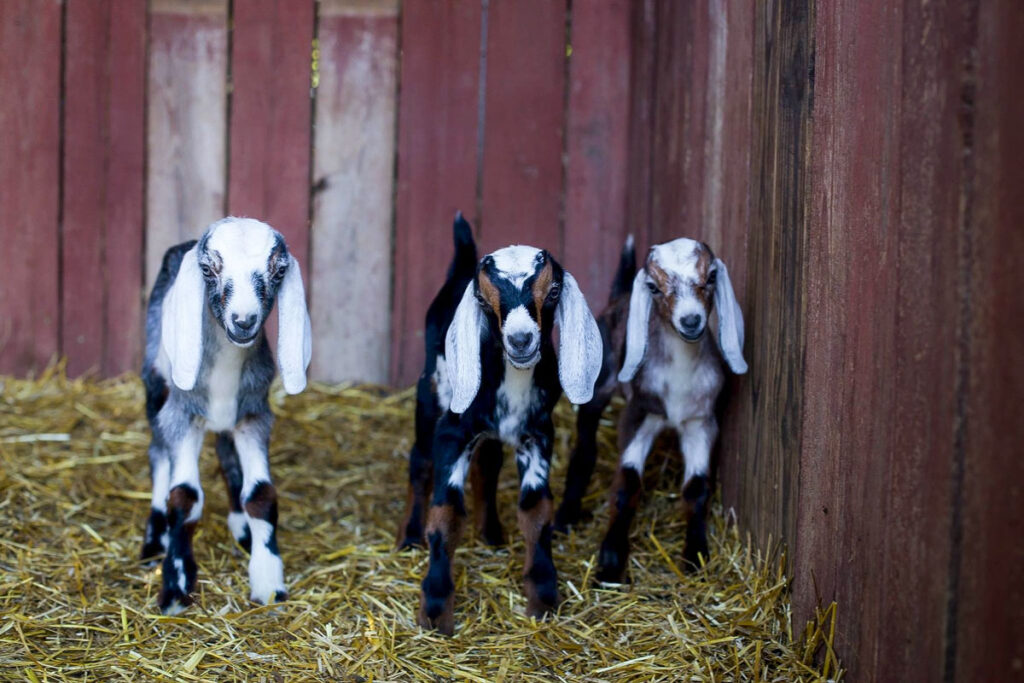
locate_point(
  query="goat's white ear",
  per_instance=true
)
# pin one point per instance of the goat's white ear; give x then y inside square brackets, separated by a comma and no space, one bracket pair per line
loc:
[636,327]
[181,322]
[580,350]
[730,321]
[294,332]
[462,352]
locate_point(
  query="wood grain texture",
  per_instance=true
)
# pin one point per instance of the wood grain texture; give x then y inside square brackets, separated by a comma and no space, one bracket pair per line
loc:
[597,145]
[186,124]
[270,116]
[30,54]
[990,590]
[104,153]
[643,84]
[437,163]
[354,154]
[524,121]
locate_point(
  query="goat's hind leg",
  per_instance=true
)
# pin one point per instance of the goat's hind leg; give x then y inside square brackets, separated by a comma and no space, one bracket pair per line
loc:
[484,472]
[184,510]
[696,437]
[231,470]
[154,542]
[421,468]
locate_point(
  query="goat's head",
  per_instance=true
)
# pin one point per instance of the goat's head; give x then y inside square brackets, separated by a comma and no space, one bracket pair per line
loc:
[683,282]
[519,294]
[239,268]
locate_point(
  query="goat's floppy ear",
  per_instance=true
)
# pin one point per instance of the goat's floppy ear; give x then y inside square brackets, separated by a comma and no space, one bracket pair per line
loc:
[580,350]
[462,351]
[181,322]
[636,327]
[294,333]
[730,321]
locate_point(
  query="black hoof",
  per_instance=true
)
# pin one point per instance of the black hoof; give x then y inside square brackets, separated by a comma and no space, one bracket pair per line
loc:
[693,554]
[493,534]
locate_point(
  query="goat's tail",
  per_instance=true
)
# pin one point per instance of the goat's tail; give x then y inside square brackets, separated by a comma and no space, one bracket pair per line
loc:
[464,261]
[622,285]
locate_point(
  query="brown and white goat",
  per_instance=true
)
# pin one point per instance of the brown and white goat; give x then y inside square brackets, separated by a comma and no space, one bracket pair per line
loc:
[672,372]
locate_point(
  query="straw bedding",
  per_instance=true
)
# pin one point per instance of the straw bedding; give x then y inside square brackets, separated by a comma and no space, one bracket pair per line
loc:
[75,603]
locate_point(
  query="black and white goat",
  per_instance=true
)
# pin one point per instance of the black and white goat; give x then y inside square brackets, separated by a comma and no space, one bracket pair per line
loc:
[671,375]
[492,377]
[208,367]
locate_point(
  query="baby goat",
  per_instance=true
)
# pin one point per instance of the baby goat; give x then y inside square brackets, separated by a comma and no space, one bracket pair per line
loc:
[492,377]
[208,367]
[671,376]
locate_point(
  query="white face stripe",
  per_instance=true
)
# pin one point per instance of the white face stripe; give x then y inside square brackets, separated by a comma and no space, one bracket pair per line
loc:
[516,263]
[518,321]
[680,258]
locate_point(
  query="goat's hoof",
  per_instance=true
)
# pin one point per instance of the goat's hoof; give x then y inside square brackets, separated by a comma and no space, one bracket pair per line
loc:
[611,567]
[410,542]
[173,602]
[692,556]
[539,606]
[493,534]
[566,518]
[443,621]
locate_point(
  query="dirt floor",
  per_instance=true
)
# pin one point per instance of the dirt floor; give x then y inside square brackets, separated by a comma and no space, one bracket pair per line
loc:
[76,604]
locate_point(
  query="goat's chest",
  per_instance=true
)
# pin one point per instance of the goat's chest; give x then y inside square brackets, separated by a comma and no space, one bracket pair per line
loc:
[685,381]
[222,390]
[515,400]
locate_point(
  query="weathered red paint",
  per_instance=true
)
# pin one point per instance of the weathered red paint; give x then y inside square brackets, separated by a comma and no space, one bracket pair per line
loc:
[437,163]
[29,184]
[104,154]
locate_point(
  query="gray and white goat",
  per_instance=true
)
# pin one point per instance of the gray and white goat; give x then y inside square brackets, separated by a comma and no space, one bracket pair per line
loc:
[655,329]
[208,367]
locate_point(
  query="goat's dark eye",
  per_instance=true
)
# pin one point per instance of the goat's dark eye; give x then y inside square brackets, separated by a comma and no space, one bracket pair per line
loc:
[712,279]
[207,270]
[278,274]
[653,288]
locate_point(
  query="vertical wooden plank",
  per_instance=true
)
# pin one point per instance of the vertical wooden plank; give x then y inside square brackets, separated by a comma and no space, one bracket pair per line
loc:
[642,81]
[104,151]
[270,116]
[30,54]
[354,146]
[988,629]
[597,145]
[679,153]
[187,117]
[525,114]
[437,161]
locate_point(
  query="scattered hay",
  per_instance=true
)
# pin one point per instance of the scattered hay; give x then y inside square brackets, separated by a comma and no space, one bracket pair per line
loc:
[75,603]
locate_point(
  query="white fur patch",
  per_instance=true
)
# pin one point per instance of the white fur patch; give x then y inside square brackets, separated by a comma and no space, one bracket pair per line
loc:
[222,392]
[252,457]
[679,257]
[515,394]
[637,450]
[266,571]
[534,466]
[237,525]
[179,567]
[518,321]
[688,383]
[174,609]
[161,484]
[457,478]
[245,246]
[516,263]
[185,468]
[443,383]
[696,438]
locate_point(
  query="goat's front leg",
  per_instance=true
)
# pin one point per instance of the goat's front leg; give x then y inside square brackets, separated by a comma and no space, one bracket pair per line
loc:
[421,466]
[625,493]
[444,529]
[584,457]
[184,510]
[533,458]
[259,501]
[696,437]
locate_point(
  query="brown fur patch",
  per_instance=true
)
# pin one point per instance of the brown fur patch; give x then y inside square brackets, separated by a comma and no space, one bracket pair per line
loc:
[182,498]
[704,261]
[261,501]
[665,304]
[445,519]
[531,523]
[490,294]
[541,287]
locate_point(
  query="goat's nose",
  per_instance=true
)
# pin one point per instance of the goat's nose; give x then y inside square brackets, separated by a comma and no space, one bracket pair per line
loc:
[519,341]
[245,324]
[690,322]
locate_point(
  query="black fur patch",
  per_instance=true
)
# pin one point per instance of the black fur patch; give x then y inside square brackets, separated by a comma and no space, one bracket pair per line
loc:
[438,584]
